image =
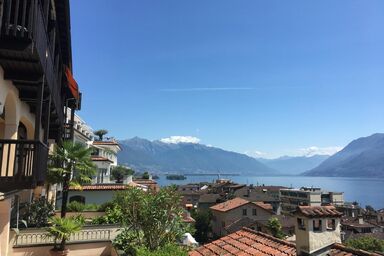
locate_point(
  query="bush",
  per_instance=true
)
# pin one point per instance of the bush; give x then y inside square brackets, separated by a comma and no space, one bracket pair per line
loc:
[112,215]
[103,207]
[367,243]
[75,206]
[38,212]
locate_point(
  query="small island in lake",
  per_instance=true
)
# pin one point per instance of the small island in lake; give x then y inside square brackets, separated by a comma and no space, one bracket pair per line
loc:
[176,177]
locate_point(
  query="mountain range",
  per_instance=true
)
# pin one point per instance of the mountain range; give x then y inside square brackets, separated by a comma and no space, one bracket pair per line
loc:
[290,165]
[160,157]
[363,157]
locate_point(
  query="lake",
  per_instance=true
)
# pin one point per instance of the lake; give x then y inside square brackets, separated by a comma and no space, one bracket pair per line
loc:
[366,191]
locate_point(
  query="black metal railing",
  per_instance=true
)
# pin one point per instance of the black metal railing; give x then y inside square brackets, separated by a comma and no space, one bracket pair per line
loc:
[27,20]
[23,164]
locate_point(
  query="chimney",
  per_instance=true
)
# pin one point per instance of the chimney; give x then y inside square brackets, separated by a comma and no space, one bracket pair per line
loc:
[317,228]
[127,179]
[361,220]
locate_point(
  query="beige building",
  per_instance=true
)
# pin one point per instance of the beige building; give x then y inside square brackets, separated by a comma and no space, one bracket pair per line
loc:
[308,196]
[224,214]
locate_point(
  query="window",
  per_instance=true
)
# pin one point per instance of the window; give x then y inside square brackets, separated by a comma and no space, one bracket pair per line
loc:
[300,224]
[254,212]
[331,224]
[316,225]
[244,212]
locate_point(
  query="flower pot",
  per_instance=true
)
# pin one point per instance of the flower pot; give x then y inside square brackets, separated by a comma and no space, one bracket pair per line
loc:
[54,252]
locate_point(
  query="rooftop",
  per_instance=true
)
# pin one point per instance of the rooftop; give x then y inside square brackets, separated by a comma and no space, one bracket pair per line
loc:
[246,242]
[250,242]
[318,211]
[237,202]
[100,159]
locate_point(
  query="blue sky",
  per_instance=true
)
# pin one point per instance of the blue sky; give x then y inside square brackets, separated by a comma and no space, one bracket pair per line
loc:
[269,77]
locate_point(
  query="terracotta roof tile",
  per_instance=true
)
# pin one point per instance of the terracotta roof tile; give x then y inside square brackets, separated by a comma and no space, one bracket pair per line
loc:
[230,204]
[237,202]
[100,158]
[107,142]
[103,187]
[250,242]
[318,211]
[246,242]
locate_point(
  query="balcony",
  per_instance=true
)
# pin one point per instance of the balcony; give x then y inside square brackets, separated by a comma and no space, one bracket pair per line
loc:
[30,52]
[23,164]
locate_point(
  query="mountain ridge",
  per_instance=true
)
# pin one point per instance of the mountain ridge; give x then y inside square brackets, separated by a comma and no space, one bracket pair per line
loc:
[160,157]
[363,157]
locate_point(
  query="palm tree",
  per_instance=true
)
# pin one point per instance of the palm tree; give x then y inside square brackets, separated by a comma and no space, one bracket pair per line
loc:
[61,230]
[100,133]
[72,166]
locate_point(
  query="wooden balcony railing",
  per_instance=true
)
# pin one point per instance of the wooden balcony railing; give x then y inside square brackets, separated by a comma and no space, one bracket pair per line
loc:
[28,21]
[23,164]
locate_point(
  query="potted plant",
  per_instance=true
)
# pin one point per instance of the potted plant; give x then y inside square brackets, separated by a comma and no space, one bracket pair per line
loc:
[61,230]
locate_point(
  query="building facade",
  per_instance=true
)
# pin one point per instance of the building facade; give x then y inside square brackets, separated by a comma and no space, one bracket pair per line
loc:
[36,85]
[291,198]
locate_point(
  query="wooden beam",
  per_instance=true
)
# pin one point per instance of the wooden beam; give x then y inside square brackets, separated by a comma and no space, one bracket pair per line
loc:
[39,107]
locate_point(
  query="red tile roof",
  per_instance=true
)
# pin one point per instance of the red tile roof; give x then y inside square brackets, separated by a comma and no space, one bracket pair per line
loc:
[100,159]
[230,204]
[246,242]
[318,211]
[101,187]
[144,181]
[250,242]
[107,142]
[237,202]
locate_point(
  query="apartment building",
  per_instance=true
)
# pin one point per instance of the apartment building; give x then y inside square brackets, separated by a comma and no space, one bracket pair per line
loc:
[231,211]
[308,196]
[36,85]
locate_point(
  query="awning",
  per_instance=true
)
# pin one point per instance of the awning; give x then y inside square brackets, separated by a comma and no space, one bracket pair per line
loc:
[72,84]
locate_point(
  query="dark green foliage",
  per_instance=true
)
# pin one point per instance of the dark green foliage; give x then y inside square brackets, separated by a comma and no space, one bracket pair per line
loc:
[369,208]
[38,212]
[367,243]
[71,165]
[153,219]
[62,229]
[120,171]
[113,215]
[202,225]
[145,176]
[274,226]
[100,133]
[75,206]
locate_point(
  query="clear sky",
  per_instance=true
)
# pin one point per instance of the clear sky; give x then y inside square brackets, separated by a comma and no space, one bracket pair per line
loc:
[263,77]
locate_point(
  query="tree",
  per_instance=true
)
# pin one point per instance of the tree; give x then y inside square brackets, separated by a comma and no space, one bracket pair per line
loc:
[120,171]
[145,176]
[100,133]
[274,226]
[62,229]
[72,166]
[202,225]
[367,243]
[369,208]
[151,220]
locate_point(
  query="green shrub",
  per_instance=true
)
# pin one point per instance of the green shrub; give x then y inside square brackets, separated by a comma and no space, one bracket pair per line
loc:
[112,215]
[91,207]
[367,243]
[103,207]
[75,206]
[38,212]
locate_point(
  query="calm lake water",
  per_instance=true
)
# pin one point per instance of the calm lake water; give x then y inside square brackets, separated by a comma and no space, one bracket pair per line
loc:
[365,191]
